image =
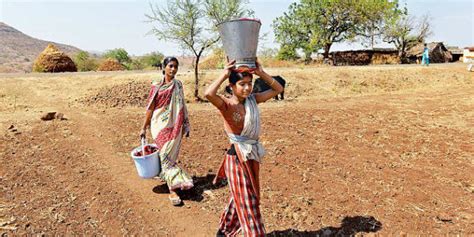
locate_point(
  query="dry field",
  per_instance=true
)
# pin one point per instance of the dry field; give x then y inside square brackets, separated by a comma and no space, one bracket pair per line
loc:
[378,150]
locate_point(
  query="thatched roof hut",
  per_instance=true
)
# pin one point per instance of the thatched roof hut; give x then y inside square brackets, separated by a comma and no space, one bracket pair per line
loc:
[438,53]
[456,52]
[53,60]
[110,65]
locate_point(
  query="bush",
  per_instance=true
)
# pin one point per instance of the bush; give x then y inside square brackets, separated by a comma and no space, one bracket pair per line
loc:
[136,64]
[121,55]
[287,53]
[85,62]
[151,59]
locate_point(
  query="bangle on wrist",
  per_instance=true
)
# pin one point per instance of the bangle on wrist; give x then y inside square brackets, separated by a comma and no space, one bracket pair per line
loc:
[273,81]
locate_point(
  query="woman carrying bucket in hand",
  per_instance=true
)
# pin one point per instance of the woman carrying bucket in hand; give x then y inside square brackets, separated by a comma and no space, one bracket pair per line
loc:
[167,118]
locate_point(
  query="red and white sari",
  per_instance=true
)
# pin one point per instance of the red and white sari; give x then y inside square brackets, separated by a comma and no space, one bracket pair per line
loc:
[168,124]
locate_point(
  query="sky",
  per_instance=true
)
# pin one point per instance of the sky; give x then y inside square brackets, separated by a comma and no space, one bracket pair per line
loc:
[101,25]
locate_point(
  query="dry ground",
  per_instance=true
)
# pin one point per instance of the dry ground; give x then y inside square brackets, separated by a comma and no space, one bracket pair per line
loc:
[353,150]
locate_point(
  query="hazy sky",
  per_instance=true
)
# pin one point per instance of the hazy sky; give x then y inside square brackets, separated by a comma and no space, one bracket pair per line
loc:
[106,24]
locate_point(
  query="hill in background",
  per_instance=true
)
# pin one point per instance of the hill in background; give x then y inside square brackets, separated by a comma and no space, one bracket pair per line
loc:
[18,50]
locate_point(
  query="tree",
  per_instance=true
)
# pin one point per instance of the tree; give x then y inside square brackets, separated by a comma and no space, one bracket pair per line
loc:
[378,14]
[311,25]
[192,24]
[121,55]
[405,32]
[136,64]
[151,59]
[84,62]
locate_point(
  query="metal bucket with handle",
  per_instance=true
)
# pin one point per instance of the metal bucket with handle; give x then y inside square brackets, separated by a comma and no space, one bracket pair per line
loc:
[240,40]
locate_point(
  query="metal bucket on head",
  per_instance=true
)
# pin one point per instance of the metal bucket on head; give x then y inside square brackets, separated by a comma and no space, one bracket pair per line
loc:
[240,40]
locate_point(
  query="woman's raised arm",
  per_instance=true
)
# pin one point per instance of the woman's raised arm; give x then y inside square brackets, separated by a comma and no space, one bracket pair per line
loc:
[275,85]
[211,91]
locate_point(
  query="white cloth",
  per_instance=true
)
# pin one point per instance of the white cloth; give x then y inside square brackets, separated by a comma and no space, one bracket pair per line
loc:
[247,141]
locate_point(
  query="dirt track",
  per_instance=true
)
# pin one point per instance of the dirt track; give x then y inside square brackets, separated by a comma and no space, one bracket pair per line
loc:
[364,159]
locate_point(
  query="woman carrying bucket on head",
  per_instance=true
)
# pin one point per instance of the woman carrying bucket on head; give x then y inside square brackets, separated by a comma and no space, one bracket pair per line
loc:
[241,163]
[167,118]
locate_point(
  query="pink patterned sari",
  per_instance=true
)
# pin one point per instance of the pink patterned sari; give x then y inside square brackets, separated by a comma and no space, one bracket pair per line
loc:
[169,123]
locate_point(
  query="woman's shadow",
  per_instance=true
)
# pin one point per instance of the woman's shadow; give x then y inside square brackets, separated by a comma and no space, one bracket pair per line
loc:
[201,184]
[350,226]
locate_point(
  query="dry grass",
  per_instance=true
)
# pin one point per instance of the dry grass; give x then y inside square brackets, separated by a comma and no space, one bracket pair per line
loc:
[383,147]
[302,82]
[320,81]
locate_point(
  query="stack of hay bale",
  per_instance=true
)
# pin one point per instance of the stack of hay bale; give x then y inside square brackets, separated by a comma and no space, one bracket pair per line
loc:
[111,65]
[53,60]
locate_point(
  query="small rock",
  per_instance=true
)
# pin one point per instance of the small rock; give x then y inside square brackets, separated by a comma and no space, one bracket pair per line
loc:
[209,193]
[11,127]
[60,116]
[48,116]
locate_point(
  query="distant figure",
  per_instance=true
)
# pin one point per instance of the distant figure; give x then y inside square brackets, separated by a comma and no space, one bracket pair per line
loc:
[425,60]
[261,86]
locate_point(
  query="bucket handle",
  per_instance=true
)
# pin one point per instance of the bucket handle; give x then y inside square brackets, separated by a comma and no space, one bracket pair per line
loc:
[143,141]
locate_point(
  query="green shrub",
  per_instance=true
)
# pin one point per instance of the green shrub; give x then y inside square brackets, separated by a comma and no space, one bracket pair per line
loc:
[85,62]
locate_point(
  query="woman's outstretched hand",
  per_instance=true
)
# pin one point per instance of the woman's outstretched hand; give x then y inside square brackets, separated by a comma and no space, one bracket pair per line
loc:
[143,134]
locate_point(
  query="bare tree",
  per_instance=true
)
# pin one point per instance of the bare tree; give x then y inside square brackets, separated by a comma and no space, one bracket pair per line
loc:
[406,32]
[191,24]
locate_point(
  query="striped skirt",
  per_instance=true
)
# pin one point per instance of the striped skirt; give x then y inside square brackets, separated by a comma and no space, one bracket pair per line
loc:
[243,209]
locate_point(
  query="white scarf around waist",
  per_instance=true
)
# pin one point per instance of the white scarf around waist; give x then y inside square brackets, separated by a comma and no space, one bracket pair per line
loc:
[247,141]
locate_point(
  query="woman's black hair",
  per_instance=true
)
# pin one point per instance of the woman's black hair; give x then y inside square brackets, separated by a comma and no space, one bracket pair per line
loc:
[167,60]
[235,77]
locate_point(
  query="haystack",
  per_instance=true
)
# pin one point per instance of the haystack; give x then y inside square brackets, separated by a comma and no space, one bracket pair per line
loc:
[53,60]
[110,65]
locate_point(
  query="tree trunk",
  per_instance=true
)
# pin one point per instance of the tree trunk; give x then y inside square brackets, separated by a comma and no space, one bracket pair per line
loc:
[307,57]
[196,79]
[402,54]
[327,47]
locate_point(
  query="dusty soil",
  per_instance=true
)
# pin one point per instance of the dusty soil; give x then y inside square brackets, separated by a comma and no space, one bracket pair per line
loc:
[354,150]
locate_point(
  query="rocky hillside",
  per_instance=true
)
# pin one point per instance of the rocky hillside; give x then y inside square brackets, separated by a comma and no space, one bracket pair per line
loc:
[18,50]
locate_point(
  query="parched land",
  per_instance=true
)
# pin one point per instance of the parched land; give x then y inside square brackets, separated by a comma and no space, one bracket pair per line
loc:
[375,150]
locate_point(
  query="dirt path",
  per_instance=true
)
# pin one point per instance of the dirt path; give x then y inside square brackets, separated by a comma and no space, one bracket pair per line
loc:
[385,163]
